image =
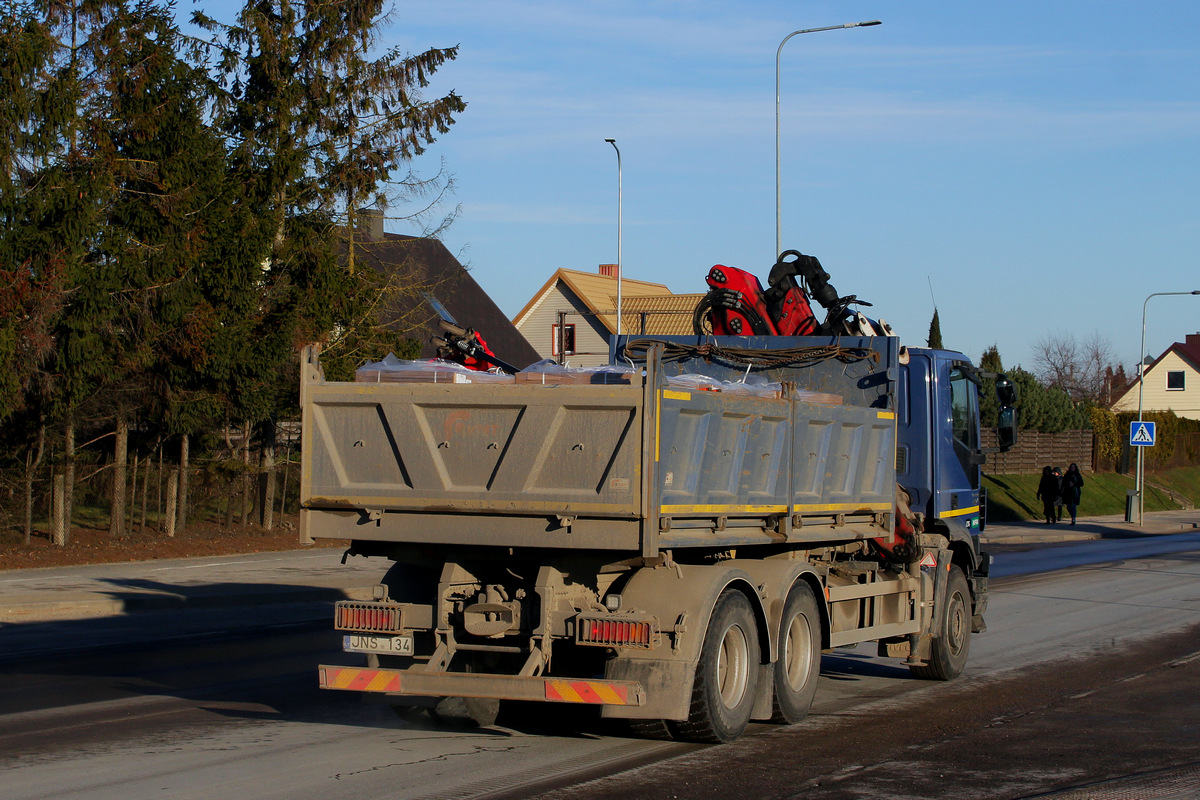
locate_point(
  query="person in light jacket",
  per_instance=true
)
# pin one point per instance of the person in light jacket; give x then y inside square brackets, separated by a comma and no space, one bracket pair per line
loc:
[1072,489]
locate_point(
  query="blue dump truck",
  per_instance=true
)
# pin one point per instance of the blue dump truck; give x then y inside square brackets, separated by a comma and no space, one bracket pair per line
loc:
[676,539]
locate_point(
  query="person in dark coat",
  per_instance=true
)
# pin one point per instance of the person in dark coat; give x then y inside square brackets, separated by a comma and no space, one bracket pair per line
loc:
[1047,491]
[1058,501]
[1072,489]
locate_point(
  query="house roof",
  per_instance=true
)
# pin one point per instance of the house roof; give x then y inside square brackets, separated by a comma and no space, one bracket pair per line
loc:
[1188,350]
[669,315]
[597,292]
[422,268]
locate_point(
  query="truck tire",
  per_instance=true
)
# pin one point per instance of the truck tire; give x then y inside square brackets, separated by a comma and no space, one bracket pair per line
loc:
[723,692]
[949,650]
[466,712]
[650,728]
[799,662]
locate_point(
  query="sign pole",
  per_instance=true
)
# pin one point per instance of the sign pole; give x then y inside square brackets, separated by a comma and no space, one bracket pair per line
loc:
[1141,436]
[1141,467]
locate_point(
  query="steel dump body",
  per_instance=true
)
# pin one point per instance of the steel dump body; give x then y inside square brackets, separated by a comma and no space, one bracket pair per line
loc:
[638,467]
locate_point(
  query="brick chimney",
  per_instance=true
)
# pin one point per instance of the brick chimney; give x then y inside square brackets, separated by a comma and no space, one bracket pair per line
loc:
[609,270]
[1191,340]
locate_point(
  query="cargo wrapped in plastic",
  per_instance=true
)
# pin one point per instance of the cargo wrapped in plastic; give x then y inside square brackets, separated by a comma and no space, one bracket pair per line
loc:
[754,385]
[433,370]
[549,371]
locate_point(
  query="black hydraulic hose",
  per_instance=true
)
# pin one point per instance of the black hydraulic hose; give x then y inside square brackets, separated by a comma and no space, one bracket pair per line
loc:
[638,349]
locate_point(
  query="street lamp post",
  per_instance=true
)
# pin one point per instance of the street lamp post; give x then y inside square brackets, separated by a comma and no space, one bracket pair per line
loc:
[1141,473]
[778,233]
[613,142]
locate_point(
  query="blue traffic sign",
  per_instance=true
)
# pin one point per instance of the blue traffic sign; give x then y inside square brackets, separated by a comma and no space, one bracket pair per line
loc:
[1141,434]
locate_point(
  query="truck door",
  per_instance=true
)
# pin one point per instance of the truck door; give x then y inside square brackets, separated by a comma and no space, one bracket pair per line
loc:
[957,455]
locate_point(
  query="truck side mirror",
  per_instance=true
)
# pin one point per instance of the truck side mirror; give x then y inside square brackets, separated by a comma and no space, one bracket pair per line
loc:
[1006,431]
[1006,391]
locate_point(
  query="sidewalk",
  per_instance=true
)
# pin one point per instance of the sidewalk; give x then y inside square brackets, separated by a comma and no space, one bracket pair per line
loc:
[316,578]
[1156,523]
[256,580]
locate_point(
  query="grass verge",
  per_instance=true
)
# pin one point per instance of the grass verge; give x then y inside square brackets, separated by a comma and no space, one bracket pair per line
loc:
[1013,497]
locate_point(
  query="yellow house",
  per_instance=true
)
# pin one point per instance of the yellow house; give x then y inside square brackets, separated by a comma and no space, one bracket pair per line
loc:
[573,315]
[1172,382]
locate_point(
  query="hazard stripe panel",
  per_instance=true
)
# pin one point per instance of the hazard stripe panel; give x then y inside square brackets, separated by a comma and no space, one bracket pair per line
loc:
[510,687]
[359,680]
[593,692]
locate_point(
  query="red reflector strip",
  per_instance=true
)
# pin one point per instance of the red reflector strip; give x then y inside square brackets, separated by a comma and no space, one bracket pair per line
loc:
[616,633]
[359,680]
[351,616]
[593,692]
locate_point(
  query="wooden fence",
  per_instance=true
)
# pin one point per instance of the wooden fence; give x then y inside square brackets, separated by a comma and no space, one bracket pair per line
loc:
[1035,450]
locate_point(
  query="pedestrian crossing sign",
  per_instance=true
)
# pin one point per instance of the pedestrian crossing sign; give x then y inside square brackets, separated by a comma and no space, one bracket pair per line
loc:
[1141,434]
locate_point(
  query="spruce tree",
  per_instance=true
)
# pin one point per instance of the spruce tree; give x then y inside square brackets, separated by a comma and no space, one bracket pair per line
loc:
[989,405]
[169,204]
[990,361]
[31,267]
[935,332]
[1049,410]
[63,212]
[317,126]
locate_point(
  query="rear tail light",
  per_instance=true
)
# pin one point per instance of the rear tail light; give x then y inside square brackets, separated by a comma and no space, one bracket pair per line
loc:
[615,632]
[370,617]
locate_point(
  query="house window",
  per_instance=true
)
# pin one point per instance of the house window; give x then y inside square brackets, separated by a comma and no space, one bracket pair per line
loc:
[1175,380]
[568,337]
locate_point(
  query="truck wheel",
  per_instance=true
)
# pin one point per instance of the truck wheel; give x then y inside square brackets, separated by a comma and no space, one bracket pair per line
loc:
[468,712]
[799,661]
[948,652]
[723,692]
[649,728]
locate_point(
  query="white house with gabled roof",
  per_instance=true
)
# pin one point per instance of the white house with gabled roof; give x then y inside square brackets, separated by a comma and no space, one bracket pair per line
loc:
[1172,382]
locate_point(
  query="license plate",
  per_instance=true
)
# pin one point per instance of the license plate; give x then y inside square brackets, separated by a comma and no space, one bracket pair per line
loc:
[396,645]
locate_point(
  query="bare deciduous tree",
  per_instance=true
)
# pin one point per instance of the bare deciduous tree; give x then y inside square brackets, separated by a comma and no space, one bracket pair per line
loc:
[1081,368]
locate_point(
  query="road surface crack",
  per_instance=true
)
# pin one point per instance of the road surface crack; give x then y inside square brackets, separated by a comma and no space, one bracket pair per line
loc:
[476,750]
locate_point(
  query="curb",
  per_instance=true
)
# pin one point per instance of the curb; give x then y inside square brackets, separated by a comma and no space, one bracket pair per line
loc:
[1091,529]
[1038,538]
[88,605]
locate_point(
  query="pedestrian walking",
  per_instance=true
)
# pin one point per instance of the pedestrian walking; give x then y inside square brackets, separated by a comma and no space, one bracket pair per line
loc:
[1047,492]
[1072,489]
[1058,501]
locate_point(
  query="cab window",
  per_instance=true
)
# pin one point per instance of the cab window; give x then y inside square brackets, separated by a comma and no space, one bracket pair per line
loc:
[963,400]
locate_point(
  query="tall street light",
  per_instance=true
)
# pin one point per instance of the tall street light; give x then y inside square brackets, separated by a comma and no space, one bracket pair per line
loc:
[1141,391]
[778,234]
[613,142]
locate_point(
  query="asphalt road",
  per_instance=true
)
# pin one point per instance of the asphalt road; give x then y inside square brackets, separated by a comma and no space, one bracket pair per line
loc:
[1087,673]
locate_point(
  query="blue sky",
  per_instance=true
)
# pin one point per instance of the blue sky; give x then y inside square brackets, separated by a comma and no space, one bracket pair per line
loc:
[1036,162]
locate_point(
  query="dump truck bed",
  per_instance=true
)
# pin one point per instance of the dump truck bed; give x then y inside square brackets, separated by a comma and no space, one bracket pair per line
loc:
[642,467]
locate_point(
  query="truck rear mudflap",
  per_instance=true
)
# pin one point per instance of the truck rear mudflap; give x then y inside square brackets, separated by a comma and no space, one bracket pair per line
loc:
[403,683]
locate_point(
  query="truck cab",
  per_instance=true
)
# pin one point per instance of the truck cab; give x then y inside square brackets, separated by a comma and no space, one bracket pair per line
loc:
[939,455]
